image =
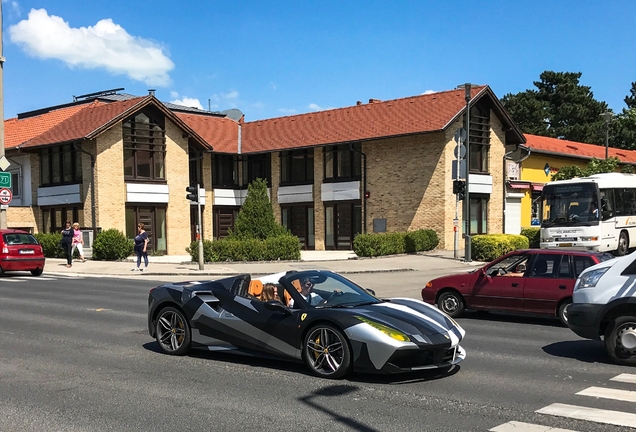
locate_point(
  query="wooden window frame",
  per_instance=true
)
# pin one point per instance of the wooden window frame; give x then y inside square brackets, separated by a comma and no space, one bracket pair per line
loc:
[145,137]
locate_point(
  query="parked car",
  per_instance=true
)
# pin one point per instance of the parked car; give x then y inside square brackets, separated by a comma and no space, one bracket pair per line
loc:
[322,319]
[20,251]
[604,305]
[533,281]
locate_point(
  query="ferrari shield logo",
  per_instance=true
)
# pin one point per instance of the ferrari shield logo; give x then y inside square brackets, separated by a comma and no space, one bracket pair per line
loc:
[303,316]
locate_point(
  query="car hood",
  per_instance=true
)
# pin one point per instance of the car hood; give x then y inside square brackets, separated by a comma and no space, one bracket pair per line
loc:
[412,317]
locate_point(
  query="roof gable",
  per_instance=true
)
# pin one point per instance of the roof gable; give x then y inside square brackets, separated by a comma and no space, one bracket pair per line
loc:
[220,132]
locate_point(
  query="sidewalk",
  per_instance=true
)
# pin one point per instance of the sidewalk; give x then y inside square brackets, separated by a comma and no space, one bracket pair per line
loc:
[345,262]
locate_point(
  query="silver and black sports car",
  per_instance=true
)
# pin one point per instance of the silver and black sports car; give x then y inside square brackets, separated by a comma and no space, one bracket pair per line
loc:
[316,316]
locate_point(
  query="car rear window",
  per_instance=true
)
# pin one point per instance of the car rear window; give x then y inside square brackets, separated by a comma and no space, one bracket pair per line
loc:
[19,239]
[604,257]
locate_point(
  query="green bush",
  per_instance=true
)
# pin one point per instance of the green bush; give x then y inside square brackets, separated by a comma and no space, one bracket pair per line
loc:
[372,245]
[533,235]
[285,247]
[50,244]
[488,247]
[112,245]
[421,240]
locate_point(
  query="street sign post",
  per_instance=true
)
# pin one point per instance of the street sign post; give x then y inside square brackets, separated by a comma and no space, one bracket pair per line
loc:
[5,179]
[5,196]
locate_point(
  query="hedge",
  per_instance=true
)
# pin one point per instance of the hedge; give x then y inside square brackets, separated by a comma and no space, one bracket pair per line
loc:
[534,236]
[488,247]
[112,245]
[372,245]
[285,247]
[50,244]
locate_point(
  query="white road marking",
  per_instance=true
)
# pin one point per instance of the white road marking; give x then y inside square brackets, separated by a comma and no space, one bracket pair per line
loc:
[608,393]
[626,378]
[12,280]
[616,418]
[515,426]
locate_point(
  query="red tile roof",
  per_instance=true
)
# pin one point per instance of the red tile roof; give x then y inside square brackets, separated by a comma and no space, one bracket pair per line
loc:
[541,144]
[17,131]
[220,133]
[417,114]
[81,124]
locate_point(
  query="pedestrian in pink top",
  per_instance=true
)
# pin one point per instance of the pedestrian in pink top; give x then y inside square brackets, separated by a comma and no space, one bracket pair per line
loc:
[78,241]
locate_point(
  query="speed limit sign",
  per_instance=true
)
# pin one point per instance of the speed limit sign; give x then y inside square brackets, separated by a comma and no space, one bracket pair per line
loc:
[5,196]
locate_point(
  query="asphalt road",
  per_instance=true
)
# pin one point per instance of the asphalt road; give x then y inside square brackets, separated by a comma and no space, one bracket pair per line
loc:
[75,356]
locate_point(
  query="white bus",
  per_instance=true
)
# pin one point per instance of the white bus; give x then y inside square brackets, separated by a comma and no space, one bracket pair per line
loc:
[595,213]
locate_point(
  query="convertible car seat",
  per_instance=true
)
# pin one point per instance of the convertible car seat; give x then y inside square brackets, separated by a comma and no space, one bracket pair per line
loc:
[296,284]
[256,288]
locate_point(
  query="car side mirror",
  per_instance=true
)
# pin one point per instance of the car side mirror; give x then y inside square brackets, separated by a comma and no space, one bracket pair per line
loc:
[370,291]
[275,305]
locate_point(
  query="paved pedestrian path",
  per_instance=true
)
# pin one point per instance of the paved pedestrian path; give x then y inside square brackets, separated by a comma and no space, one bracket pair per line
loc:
[345,262]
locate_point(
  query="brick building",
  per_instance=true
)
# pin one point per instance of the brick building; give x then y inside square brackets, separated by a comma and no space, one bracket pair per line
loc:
[113,160]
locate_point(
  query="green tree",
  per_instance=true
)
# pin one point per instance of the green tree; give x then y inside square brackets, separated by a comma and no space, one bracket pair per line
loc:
[560,107]
[595,166]
[256,218]
[623,127]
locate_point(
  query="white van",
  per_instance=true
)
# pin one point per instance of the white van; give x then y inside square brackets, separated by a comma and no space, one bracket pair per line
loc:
[604,305]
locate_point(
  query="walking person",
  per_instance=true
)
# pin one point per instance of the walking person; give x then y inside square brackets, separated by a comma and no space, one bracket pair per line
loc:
[67,243]
[141,244]
[78,242]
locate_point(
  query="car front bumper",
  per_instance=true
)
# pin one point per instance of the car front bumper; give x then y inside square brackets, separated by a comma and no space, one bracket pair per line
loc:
[583,319]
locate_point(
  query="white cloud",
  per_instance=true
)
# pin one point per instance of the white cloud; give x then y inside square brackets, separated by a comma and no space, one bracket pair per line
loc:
[105,45]
[315,107]
[287,110]
[189,102]
[429,92]
[14,7]
[174,94]
[230,99]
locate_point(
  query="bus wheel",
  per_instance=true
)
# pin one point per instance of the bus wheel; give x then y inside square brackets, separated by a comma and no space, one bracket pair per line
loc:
[623,244]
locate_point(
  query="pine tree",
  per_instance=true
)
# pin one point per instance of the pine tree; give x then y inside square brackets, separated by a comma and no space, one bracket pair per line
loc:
[256,218]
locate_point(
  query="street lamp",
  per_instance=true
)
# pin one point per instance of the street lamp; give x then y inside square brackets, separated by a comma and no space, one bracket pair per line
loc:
[466,205]
[607,116]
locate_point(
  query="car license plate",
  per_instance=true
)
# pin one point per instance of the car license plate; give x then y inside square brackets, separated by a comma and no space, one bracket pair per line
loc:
[565,244]
[560,239]
[27,251]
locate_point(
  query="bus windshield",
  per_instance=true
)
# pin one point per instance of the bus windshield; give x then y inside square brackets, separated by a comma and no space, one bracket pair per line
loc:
[570,204]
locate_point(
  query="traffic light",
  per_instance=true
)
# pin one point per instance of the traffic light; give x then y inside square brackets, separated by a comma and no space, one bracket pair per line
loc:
[193,193]
[459,189]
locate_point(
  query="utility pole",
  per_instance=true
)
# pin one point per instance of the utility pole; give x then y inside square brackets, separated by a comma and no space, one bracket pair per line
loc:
[3,212]
[467,239]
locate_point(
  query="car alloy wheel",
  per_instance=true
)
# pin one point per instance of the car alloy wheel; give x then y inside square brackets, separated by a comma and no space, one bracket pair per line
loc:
[563,311]
[173,331]
[451,303]
[326,352]
[620,340]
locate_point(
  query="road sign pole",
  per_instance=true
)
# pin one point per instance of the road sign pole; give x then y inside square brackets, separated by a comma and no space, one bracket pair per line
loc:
[201,257]
[3,212]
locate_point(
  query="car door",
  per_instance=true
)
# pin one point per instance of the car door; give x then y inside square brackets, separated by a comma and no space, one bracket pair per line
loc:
[498,289]
[550,280]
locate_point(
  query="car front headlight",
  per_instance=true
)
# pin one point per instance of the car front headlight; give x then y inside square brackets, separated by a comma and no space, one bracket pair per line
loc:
[590,279]
[547,240]
[391,332]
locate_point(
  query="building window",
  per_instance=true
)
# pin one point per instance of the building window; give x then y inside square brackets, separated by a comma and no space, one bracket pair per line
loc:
[154,220]
[299,219]
[343,221]
[257,166]
[60,165]
[144,147]
[224,171]
[296,167]
[478,214]
[341,163]
[196,166]
[224,218]
[16,183]
[53,218]
[479,139]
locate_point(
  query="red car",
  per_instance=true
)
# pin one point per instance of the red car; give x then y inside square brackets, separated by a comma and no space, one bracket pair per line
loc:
[534,281]
[20,251]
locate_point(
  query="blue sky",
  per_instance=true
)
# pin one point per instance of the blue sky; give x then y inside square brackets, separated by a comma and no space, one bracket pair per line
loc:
[277,58]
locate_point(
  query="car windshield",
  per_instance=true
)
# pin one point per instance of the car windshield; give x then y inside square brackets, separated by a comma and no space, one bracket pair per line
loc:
[19,239]
[570,204]
[328,289]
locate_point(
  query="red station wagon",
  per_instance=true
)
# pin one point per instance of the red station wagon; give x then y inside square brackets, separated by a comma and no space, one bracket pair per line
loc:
[534,281]
[20,251]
